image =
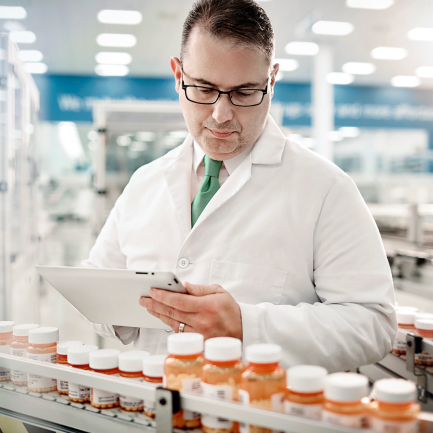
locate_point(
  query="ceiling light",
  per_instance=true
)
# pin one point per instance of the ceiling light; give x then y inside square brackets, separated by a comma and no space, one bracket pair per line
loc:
[123,140]
[339,78]
[108,16]
[114,58]
[425,71]
[302,48]
[145,136]
[35,68]
[389,53]
[334,136]
[421,34]
[22,37]
[287,65]
[349,131]
[370,4]
[359,68]
[405,81]
[30,55]
[279,76]
[112,70]
[338,28]
[12,12]
[116,40]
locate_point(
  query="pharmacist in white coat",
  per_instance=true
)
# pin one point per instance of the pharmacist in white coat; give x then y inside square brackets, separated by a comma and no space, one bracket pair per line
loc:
[284,252]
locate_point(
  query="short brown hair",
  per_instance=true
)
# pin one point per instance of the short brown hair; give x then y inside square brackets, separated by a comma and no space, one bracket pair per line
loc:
[242,21]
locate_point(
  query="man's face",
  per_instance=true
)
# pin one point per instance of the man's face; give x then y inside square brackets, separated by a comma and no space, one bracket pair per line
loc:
[223,130]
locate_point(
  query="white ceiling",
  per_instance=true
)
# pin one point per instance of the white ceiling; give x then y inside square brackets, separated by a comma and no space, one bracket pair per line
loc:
[66,32]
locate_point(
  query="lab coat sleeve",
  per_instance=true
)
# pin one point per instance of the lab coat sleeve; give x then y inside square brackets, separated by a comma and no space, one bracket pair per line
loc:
[355,322]
[106,253]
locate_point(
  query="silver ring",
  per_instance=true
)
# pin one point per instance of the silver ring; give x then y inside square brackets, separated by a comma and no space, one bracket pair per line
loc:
[181,327]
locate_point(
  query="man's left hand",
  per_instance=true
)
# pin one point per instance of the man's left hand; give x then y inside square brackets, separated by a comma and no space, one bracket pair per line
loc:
[209,310]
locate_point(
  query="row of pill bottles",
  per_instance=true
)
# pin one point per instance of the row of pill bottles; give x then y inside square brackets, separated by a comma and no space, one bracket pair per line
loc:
[131,368]
[424,328]
[18,348]
[182,372]
[42,347]
[263,382]
[405,321]
[221,379]
[153,373]
[6,338]
[62,358]
[78,357]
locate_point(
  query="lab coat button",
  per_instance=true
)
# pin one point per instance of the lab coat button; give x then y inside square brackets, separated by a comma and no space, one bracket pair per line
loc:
[183,262]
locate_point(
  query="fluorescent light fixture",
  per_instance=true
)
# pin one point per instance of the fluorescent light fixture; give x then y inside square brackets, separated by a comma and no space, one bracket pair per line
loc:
[35,68]
[302,48]
[92,135]
[30,55]
[70,140]
[370,4]
[145,136]
[334,136]
[405,81]
[339,78]
[12,13]
[337,28]
[123,140]
[389,53]
[22,37]
[109,16]
[287,65]
[114,58]
[112,70]
[421,34]
[116,40]
[279,76]
[359,68]
[425,71]
[349,131]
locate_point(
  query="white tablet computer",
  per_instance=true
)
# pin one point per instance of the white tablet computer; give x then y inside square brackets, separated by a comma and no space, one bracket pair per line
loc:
[110,296]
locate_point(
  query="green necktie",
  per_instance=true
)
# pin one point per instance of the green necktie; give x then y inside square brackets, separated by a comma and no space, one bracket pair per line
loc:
[208,188]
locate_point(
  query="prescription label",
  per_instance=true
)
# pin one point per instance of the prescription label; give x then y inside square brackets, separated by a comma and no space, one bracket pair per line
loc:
[16,375]
[101,397]
[399,345]
[244,398]
[149,405]
[78,392]
[311,411]
[355,421]
[5,372]
[192,386]
[220,392]
[37,382]
[382,426]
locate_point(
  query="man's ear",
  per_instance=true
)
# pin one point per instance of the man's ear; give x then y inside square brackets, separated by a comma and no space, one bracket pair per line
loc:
[274,73]
[177,71]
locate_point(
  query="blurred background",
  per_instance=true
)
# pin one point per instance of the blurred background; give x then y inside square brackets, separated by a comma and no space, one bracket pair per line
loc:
[87,97]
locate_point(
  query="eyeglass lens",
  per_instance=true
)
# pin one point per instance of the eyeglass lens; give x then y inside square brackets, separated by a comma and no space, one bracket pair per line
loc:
[204,95]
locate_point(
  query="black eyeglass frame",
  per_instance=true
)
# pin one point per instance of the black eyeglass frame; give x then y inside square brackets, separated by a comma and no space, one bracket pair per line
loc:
[185,86]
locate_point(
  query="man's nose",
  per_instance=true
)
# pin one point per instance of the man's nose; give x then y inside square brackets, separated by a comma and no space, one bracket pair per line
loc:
[223,109]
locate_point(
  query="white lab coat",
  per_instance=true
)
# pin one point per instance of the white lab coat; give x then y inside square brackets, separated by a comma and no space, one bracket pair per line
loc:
[288,235]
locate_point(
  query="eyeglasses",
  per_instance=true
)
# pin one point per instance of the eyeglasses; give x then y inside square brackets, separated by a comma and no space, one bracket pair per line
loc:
[209,96]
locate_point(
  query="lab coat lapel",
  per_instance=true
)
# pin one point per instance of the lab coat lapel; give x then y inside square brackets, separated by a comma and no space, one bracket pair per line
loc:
[178,179]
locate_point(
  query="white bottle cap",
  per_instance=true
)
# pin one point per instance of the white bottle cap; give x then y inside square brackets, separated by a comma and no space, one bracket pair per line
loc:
[153,366]
[79,355]
[405,317]
[425,324]
[223,349]
[104,359]
[421,316]
[395,390]
[23,330]
[62,348]
[345,387]
[306,378]
[263,353]
[403,307]
[6,326]
[132,361]
[44,335]
[189,343]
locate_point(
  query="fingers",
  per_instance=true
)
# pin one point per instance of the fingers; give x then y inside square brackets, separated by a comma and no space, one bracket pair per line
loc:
[157,307]
[172,323]
[178,301]
[202,290]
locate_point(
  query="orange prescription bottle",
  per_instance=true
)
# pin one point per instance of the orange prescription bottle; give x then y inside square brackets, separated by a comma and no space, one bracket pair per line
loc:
[221,379]
[42,347]
[394,410]
[62,358]
[131,368]
[405,320]
[19,349]
[153,372]
[263,382]
[343,395]
[6,338]
[182,372]
[78,357]
[304,396]
[104,361]
[424,328]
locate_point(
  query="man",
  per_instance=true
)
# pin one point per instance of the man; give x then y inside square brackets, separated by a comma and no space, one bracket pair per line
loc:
[274,243]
